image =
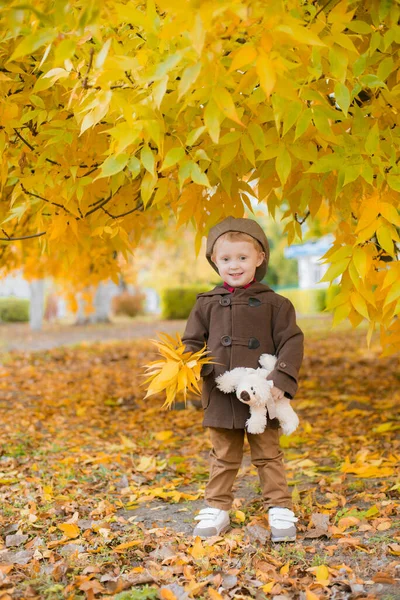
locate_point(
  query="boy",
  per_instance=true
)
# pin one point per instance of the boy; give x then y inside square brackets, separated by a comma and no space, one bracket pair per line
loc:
[239,321]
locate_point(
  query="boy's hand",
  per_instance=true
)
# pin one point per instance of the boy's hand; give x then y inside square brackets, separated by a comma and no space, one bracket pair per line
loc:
[277,393]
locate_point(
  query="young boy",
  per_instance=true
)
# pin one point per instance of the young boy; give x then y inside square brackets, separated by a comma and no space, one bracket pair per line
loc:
[239,321]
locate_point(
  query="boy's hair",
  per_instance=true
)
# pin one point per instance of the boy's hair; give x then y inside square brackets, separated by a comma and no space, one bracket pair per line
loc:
[237,236]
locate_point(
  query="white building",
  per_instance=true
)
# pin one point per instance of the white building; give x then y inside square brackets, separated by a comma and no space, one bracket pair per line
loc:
[308,256]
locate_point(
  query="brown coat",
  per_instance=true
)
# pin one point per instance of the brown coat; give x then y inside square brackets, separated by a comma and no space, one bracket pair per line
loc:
[238,327]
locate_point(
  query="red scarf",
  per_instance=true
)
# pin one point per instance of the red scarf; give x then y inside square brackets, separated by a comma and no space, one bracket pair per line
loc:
[232,289]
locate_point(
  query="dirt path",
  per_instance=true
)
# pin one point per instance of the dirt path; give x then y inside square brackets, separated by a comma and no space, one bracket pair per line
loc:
[19,336]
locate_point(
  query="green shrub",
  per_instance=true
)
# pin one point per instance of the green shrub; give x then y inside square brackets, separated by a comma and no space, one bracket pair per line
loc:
[320,299]
[128,304]
[14,309]
[306,301]
[176,303]
[331,292]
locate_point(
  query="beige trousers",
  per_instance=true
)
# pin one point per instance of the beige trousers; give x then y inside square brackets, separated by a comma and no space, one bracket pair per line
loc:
[226,458]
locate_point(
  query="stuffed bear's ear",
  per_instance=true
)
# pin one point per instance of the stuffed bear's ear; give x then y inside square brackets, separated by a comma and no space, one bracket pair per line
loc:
[267,361]
[228,382]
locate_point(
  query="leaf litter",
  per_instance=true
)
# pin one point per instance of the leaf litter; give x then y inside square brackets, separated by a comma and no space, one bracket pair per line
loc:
[98,486]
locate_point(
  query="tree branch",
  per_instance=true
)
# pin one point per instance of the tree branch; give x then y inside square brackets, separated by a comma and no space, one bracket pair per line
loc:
[122,214]
[24,140]
[319,11]
[103,203]
[85,81]
[303,219]
[45,199]
[95,167]
[24,237]
[129,78]
[53,162]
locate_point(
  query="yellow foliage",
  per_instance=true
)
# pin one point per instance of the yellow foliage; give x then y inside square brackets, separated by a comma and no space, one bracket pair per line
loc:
[117,114]
[177,372]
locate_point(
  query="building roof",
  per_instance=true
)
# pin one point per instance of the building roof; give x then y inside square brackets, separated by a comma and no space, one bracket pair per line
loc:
[311,248]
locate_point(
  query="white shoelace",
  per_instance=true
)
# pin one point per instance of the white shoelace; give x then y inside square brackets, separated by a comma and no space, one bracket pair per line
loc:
[207,514]
[281,518]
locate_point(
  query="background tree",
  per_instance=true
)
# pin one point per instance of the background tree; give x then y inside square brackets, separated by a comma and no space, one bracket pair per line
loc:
[115,113]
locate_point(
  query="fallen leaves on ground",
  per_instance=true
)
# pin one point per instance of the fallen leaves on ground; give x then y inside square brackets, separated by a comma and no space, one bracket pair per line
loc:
[98,486]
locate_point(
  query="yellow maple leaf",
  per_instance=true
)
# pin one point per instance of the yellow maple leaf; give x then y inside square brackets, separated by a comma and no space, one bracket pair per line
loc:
[214,595]
[163,436]
[240,516]
[71,530]
[268,587]
[166,594]
[126,546]
[285,569]
[321,574]
[197,550]
[47,493]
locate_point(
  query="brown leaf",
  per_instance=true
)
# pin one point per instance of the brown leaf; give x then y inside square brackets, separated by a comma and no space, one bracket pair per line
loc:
[316,533]
[257,533]
[320,520]
[17,558]
[16,540]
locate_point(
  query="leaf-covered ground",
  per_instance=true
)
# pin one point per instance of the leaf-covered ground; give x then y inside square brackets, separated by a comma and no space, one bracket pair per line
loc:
[98,488]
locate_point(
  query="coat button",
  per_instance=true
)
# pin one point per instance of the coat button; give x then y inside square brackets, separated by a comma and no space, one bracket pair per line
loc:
[226,340]
[254,302]
[225,301]
[282,364]
[253,343]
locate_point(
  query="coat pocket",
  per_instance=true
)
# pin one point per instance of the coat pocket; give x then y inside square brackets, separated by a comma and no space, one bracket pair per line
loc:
[209,385]
[206,398]
[206,370]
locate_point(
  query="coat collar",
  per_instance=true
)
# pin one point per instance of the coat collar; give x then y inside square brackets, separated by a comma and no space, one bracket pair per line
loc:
[254,288]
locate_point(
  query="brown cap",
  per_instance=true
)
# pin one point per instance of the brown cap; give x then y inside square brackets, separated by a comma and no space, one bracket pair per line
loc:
[248,226]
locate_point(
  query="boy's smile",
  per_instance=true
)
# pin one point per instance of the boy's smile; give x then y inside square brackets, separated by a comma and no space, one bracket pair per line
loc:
[237,261]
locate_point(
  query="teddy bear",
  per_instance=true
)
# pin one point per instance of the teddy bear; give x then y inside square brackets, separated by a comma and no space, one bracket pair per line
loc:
[253,389]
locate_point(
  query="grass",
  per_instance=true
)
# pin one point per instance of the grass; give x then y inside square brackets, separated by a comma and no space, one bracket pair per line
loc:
[293,554]
[143,593]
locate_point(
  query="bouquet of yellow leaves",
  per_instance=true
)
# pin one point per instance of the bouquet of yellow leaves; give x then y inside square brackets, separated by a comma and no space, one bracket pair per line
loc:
[177,371]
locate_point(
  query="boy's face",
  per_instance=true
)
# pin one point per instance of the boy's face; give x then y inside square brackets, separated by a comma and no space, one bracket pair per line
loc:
[237,261]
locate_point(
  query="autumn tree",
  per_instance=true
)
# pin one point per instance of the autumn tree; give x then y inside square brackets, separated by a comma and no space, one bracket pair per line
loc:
[117,113]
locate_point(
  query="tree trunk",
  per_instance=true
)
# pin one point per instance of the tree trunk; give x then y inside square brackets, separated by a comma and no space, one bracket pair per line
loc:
[101,302]
[36,304]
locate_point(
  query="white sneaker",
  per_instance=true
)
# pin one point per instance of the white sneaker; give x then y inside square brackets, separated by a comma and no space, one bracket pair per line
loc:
[212,521]
[282,523]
